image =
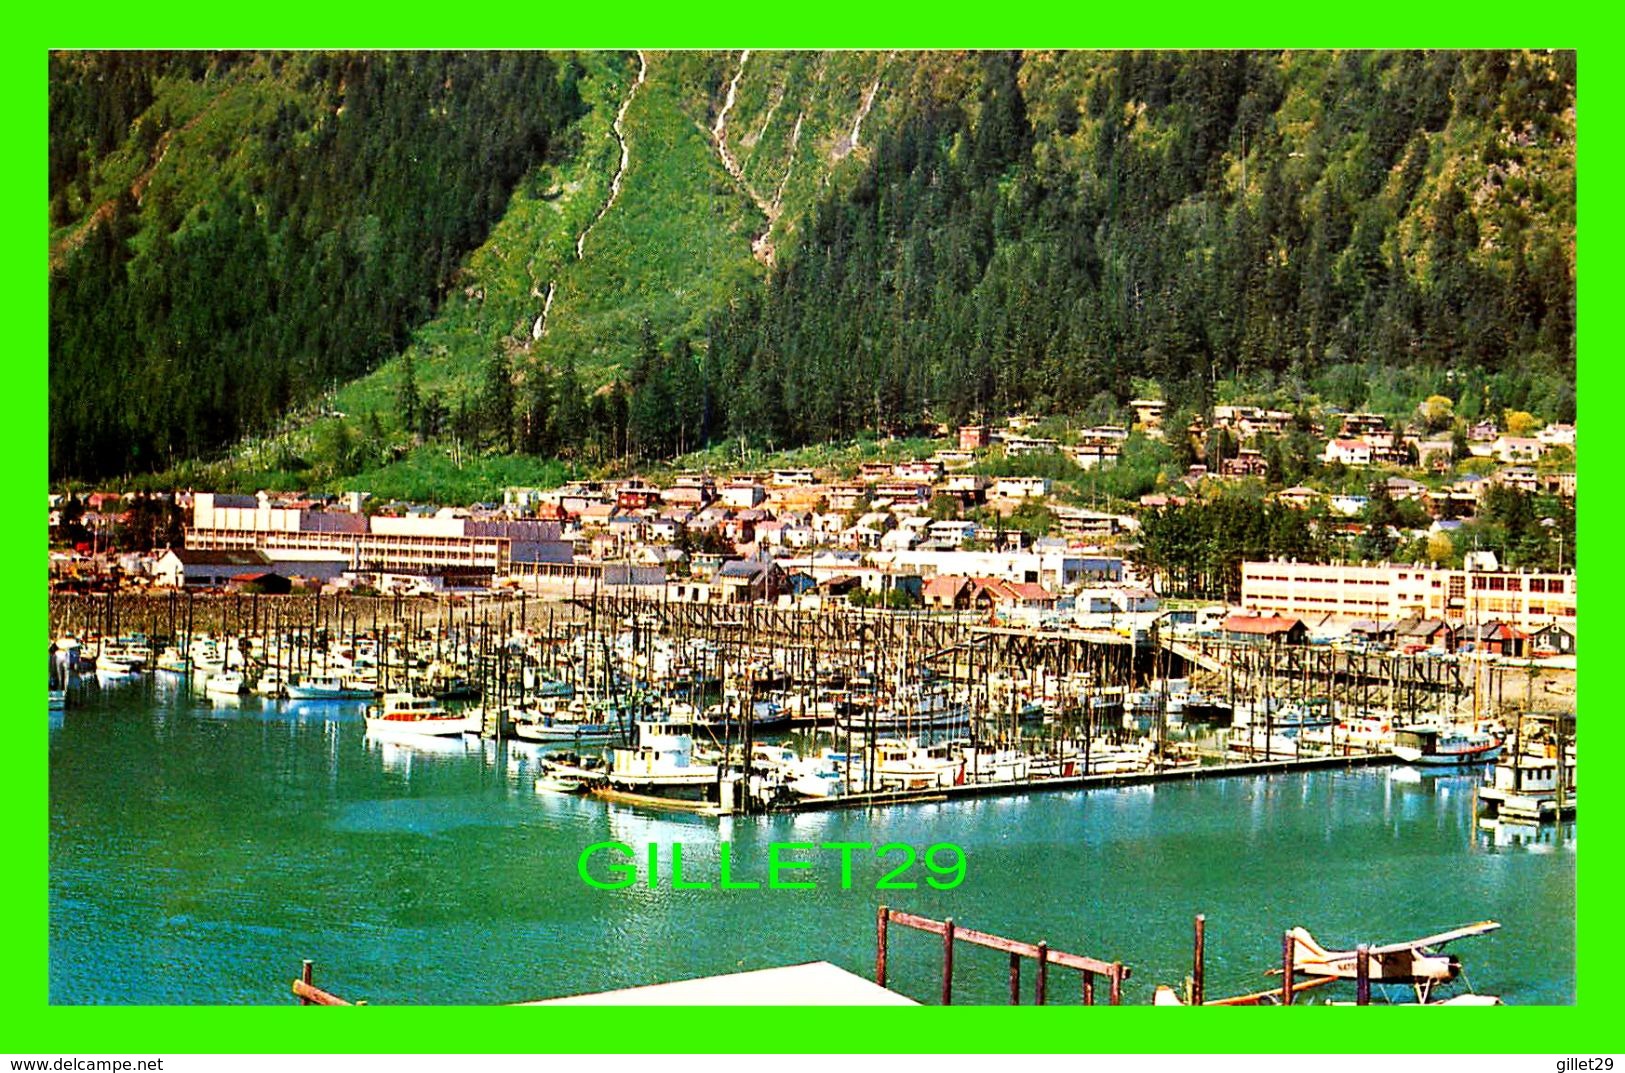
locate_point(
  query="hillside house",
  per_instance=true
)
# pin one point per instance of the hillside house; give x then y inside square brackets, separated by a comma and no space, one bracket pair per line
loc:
[1017,446]
[925,470]
[1518,448]
[1021,487]
[974,437]
[794,478]
[1348,452]
[743,495]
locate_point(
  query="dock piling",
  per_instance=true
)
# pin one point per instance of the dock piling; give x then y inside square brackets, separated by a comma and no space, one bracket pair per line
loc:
[1288,948]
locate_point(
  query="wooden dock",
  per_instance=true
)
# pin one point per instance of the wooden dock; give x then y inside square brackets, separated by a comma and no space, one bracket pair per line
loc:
[1081,782]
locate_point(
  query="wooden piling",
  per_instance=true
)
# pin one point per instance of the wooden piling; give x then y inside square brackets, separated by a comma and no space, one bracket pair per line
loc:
[1288,945]
[882,916]
[1198,960]
[948,962]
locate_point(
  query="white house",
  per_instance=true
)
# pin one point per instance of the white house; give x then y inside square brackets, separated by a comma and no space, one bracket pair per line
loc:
[1518,448]
[1021,487]
[1556,435]
[1348,452]
[957,533]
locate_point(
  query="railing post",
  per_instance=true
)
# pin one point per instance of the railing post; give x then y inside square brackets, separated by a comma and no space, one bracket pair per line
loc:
[1088,988]
[1015,979]
[882,917]
[1287,949]
[307,972]
[1117,983]
[948,962]
[1362,975]
[1199,960]
[1042,983]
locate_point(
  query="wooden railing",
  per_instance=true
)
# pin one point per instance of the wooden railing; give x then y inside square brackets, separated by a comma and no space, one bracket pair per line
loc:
[1090,968]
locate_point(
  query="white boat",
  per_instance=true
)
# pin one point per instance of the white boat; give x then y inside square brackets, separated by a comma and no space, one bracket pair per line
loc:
[408,715]
[661,764]
[327,687]
[109,669]
[565,732]
[226,684]
[558,784]
[271,684]
[1525,787]
[1445,747]
[171,661]
[907,765]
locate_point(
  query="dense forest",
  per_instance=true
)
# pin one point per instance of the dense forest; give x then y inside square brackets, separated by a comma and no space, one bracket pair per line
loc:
[1183,217]
[1019,231]
[343,191]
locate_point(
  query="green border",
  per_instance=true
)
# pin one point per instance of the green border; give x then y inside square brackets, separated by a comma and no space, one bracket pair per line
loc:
[33,1025]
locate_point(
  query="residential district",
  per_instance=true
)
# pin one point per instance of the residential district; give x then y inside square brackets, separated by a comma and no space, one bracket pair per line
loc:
[934,533]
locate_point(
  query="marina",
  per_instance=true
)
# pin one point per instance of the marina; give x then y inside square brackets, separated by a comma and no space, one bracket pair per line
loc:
[684,702]
[445,876]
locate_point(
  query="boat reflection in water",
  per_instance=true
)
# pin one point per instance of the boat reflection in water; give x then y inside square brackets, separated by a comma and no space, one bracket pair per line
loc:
[399,755]
[1493,834]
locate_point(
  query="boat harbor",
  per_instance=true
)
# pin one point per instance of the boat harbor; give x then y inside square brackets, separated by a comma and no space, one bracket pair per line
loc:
[715,710]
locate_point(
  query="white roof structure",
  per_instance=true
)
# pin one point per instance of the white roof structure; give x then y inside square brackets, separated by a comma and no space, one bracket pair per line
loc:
[815,984]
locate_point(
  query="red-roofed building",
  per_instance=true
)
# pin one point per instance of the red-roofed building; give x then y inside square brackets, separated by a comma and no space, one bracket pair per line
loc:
[1263,629]
[996,592]
[948,592]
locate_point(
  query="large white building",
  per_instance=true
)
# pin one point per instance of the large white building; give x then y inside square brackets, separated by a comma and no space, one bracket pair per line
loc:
[1396,591]
[327,542]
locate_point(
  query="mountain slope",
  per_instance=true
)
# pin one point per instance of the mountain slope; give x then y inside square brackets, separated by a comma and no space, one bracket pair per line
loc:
[803,245]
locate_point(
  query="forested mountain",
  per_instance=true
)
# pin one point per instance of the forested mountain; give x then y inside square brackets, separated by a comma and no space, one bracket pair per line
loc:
[1076,220]
[232,232]
[614,254]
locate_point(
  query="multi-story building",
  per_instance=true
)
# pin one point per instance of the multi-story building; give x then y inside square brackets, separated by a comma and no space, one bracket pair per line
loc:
[1396,591]
[340,540]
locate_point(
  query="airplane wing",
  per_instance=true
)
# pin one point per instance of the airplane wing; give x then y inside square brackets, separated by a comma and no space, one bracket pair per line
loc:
[1438,940]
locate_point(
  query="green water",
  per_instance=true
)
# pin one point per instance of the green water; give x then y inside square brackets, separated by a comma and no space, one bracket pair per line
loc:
[223,845]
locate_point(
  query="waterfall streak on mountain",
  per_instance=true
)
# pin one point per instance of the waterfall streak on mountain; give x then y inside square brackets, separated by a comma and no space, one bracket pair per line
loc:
[626,156]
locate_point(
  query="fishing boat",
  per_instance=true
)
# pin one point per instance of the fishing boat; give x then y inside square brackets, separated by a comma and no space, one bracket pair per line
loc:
[271,684]
[171,661]
[226,684]
[409,715]
[908,765]
[661,765]
[1445,746]
[551,731]
[1527,787]
[328,687]
[1247,742]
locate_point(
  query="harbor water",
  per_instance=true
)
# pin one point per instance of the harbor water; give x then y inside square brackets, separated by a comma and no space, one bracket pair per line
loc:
[217,845]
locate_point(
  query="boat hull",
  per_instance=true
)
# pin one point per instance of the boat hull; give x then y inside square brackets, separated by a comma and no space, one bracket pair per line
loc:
[454,726]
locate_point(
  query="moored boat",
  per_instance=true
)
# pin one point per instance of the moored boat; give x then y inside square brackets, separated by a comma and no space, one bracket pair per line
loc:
[409,715]
[1445,747]
[226,684]
[327,687]
[661,765]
